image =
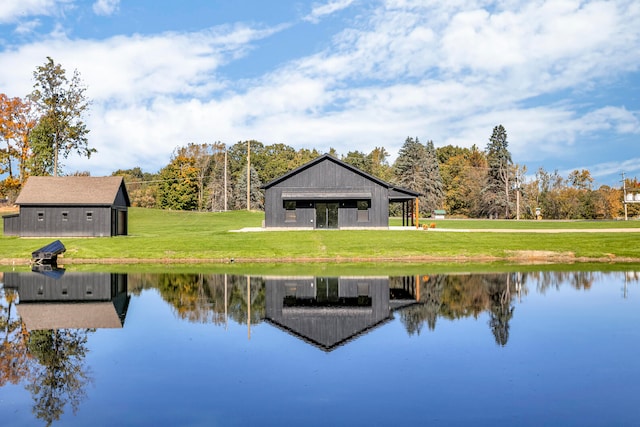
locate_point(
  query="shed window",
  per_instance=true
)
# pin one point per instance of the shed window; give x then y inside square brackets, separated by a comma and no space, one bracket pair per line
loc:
[40,216]
[290,211]
[363,210]
[89,216]
[65,216]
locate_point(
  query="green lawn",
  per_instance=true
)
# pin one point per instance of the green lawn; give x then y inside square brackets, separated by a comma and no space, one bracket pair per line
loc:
[521,224]
[179,236]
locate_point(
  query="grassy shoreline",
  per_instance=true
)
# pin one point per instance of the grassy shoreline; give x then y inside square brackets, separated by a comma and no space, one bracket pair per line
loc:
[172,237]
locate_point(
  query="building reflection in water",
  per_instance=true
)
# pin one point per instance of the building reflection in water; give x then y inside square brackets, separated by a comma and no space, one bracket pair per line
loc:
[328,312]
[54,299]
[58,311]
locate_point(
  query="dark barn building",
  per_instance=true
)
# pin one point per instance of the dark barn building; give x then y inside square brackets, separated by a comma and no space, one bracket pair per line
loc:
[329,193]
[79,206]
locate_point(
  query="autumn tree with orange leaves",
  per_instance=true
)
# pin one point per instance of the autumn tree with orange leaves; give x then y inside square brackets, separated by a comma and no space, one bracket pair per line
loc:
[17,120]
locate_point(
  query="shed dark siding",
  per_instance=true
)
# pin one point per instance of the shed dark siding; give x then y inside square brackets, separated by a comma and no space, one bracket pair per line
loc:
[71,287]
[11,225]
[70,207]
[65,221]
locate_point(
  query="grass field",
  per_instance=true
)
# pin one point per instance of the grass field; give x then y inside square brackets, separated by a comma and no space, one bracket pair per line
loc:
[182,237]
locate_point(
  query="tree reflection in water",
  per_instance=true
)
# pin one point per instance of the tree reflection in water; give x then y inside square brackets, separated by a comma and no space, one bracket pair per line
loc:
[52,361]
[216,298]
[60,375]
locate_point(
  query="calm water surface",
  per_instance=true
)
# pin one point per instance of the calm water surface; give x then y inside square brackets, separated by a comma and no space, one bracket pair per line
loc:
[101,349]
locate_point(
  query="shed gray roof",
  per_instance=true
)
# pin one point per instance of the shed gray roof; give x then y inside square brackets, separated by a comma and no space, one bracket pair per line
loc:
[71,190]
[69,316]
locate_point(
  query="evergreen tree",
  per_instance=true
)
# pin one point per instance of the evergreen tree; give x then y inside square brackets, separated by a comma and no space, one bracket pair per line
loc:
[408,169]
[495,195]
[416,168]
[433,191]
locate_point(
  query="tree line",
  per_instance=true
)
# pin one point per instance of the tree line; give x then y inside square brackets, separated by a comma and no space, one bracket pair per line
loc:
[41,129]
[466,182]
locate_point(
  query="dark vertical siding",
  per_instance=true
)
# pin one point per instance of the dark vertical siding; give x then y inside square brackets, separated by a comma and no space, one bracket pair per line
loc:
[120,201]
[329,177]
[70,220]
[327,327]
[54,223]
[34,287]
[11,226]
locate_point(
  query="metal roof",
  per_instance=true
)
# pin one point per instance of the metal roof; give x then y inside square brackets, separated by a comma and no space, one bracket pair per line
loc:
[83,315]
[402,193]
[71,190]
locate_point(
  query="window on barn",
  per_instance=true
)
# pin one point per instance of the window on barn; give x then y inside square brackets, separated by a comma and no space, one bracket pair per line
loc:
[40,216]
[65,216]
[89,216]
[363,210]
[290,211]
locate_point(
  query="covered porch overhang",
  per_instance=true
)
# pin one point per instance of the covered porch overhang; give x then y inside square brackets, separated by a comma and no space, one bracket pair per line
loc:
[408,200]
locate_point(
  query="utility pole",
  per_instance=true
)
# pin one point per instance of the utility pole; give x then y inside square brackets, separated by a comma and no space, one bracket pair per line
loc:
[225,178]
[248,175]
[249,308]
[624,196]
[517,195]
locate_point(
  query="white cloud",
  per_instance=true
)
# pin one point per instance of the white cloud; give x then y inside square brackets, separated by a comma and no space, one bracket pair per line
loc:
[630,166]
[321,10]
[446,71]
[136,68]
[106,7]
[618,119]
[16,10]
[27,27]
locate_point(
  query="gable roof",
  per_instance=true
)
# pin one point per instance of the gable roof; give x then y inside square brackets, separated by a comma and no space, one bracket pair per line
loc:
[72,190]
[329,157]
[328,335]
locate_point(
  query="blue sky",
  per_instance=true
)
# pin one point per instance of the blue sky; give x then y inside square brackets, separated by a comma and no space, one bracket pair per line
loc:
[562,77]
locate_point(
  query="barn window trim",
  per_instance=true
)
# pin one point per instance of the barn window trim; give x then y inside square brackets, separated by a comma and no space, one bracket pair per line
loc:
[89,215]
[65,216]
[363,210]
[40,215]
[290,211]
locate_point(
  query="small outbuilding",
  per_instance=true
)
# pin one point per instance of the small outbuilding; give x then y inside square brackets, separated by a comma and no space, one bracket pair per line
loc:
[70,206]
[438,214]
[329,193]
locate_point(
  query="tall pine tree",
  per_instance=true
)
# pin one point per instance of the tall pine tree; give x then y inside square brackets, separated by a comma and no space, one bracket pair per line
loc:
[416,168]
[434,189]
[495,195]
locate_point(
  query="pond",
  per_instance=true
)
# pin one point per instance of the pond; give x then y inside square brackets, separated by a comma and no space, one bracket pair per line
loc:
[148,349]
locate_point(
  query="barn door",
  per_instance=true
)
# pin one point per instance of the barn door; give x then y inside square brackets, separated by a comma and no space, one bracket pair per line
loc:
[327,215]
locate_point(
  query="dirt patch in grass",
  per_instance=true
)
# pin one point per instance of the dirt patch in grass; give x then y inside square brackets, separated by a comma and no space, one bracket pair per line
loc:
[541,257]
